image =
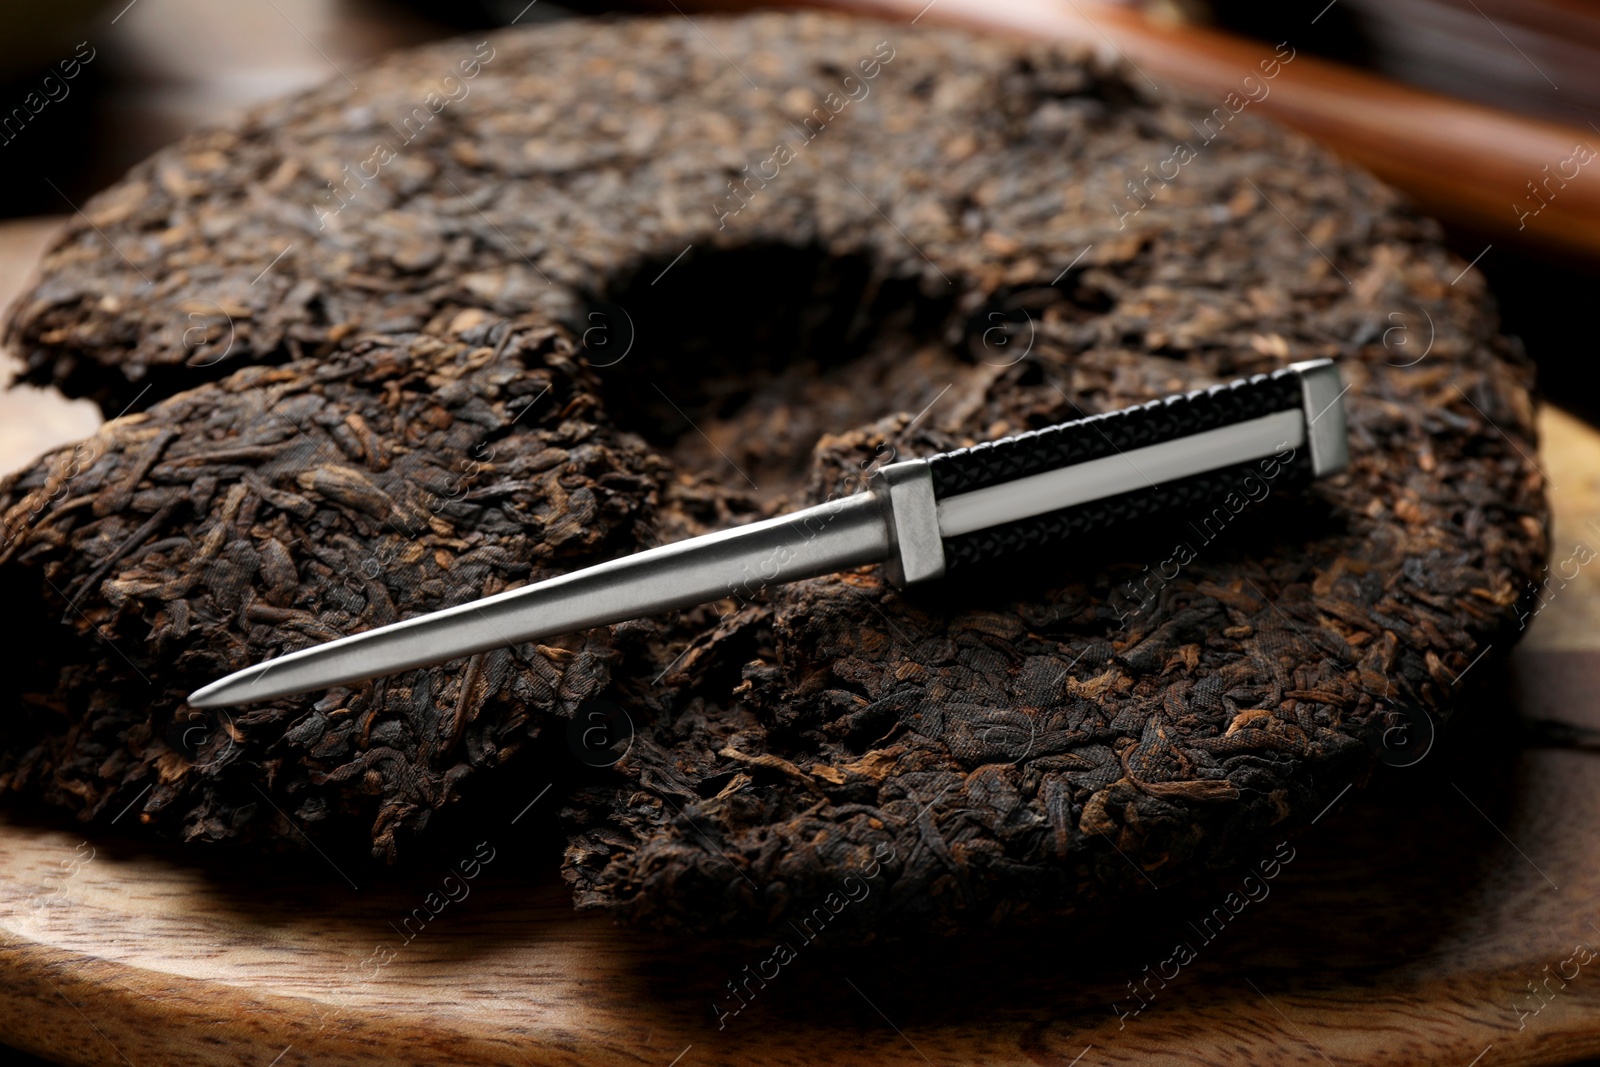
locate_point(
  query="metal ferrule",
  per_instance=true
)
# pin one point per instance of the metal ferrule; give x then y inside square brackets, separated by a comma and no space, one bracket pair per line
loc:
[916,549]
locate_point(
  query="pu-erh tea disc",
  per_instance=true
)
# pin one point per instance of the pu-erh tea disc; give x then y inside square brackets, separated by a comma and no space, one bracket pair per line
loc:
[520,305]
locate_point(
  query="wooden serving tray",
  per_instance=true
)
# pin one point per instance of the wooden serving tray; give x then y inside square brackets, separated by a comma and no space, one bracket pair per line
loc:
[1444,916]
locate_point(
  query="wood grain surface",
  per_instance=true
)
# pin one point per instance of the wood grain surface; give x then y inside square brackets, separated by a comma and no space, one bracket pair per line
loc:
[1443,915]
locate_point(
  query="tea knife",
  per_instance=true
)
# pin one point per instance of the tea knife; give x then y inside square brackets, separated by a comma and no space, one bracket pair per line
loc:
[920,518]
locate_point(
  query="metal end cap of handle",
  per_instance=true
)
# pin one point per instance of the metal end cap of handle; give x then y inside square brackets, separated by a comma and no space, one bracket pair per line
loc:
[1326,431]
[905,493]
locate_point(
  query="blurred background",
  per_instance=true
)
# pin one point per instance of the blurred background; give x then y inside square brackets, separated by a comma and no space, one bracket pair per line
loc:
[1458,102]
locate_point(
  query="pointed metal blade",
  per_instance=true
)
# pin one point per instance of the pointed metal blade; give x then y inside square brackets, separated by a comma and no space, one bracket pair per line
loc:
[843,533]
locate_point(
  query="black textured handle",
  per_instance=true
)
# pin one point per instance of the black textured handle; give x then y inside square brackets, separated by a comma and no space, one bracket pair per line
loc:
[1123,430]
[1119,431]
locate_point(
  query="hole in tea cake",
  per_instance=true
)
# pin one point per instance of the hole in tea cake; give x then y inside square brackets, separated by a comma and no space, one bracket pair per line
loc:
[735,362]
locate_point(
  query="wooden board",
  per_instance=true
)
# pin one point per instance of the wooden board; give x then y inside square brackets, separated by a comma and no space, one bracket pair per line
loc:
[1406,928]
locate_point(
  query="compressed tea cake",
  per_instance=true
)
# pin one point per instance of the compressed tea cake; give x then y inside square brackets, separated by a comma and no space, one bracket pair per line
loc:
[510,307]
